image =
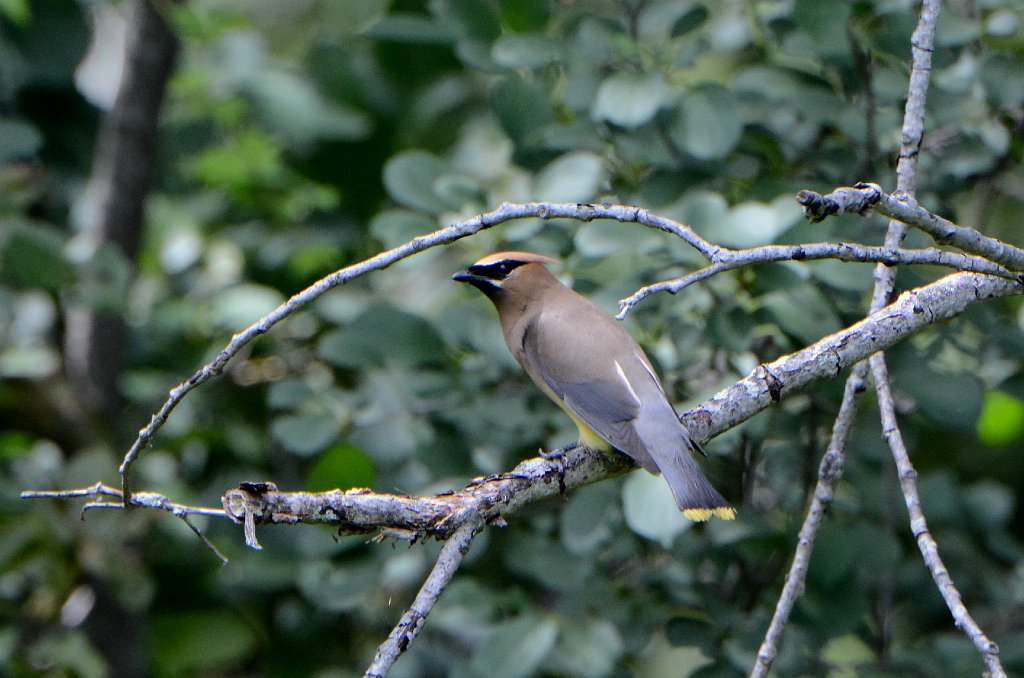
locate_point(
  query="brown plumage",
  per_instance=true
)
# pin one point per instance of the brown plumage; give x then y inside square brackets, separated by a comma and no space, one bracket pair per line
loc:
[590,366]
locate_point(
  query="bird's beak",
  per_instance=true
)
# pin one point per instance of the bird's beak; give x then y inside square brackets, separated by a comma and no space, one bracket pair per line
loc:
[484,284]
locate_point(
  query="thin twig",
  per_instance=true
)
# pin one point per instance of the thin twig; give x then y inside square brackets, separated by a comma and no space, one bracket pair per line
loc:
[150,500]
[919,527]
[829,472]
[727,260]
[408,627]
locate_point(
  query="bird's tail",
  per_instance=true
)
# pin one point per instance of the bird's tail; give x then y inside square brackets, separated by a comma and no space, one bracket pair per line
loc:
[694,495]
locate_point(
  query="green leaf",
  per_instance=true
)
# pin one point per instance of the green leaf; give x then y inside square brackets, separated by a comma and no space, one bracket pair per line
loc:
[802,311]
[410,179]
[1002,419]
[31,256]
[521,107]
[989,503]
[291,107]
[336,588]
[383,334]
[476,19]
[587,648]
[397,226]
[847,651]
[340,467]
[525,15]
[749,224]
[584,521]
[305,434]
[651,510]
[952,400]
[574,177]
[413,29]
[629,100]
[183,643]
[242,305]
[18,139]
[529,51]
[708,123]
[604,237]
[515,649]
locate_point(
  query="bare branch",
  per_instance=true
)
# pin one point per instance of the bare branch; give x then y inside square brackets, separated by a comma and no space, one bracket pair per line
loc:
[150,500]
[861,198]
[919,526]
[452,553]
[727,260]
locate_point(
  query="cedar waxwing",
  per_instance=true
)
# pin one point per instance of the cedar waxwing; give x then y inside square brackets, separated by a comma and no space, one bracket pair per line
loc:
[593,369]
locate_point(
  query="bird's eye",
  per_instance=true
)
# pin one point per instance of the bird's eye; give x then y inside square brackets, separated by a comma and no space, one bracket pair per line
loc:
[504,268]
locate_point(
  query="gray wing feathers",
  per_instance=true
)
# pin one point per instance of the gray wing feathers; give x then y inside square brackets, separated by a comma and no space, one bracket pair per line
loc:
[616,393]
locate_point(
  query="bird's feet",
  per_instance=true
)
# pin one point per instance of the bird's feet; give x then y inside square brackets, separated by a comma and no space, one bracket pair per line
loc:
[555,454]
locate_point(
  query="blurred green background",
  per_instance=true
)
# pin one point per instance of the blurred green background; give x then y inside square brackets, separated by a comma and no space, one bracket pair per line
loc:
[299,137]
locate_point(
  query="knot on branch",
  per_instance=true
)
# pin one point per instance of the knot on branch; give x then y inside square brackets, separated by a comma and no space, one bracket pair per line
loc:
[246,505]
[858,199]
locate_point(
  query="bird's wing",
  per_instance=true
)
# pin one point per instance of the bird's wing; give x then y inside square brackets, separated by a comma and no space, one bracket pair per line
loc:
[566,362]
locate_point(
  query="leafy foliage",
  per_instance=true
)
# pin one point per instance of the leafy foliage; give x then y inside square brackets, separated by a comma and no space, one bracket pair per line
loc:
[297,139]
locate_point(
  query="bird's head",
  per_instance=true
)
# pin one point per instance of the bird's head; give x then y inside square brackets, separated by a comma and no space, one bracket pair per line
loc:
[506,272]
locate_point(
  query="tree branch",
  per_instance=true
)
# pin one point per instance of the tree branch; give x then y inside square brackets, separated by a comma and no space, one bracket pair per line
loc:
[902,207]
[452,553]
[919,526]
[726,260]
[829,472]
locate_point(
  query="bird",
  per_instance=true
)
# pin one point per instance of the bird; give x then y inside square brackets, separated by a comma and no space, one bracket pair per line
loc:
[591,367]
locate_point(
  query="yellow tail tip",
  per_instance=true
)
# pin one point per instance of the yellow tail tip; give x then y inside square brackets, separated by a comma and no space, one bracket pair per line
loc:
[701,514]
